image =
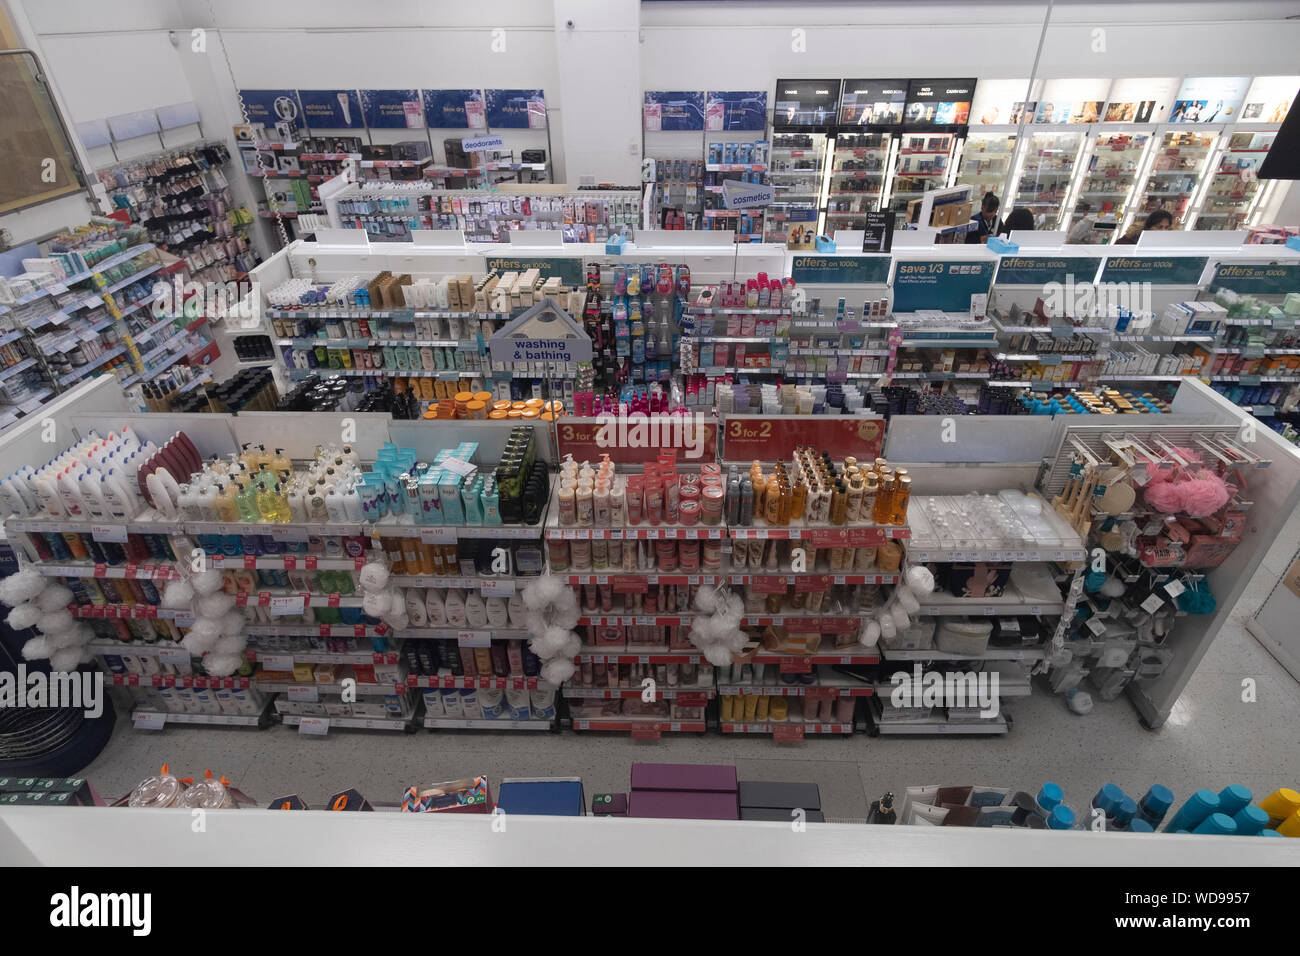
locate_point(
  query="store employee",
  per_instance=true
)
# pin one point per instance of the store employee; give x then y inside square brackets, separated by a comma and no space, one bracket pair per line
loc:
[986,223]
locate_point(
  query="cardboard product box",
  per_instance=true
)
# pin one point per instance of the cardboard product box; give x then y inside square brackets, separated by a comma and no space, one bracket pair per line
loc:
[542,796]
[609,805]
[348,800]
[471,795]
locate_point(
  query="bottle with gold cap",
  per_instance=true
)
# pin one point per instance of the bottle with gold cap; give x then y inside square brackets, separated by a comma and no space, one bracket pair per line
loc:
[799,502]
[902,493]
[884,504]
[839,504]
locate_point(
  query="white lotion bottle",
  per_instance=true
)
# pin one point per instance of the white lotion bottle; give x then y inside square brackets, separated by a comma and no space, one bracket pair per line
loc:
[498,615]
[475,610]
[415,607]
[434,609]
[455,606]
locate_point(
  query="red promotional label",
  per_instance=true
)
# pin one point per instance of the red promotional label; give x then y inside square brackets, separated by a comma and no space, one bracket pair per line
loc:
[324,630]
[774,438]
[101,570]
[788,733]
[692,698]
[263,598]
[358,630]
[821,693]
[844,537]
[241,599]
[628,584]
[133,680]
[796,665]
[646,733]
[131,571]
[812,582]
[635,440]
[839,625]
[769,585]
[333,599]
[290,562]
[309,562]
[150,611]
[358,563]
[381,629]
[250,562]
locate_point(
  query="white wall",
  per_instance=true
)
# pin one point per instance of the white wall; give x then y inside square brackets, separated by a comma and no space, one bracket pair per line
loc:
[602,138]
[748,45]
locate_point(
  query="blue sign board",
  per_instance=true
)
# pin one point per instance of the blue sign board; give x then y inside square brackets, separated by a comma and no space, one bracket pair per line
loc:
[1158,270]
[445,109]
[568,269]
[840,270]
[516,109]
[331,109]
[735,109]
[392,109]
[271,106]
[939,284]
[675,110]
[1271,279]
[1037,270]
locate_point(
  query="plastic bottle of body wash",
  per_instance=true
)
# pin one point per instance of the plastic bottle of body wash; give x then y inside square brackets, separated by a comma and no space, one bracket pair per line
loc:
[455,607]
[434,609]
[475,610]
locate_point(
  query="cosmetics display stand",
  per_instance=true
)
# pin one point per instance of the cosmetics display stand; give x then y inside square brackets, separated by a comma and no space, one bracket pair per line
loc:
[1015,453]
[914,442]
[63,343]
[182,195]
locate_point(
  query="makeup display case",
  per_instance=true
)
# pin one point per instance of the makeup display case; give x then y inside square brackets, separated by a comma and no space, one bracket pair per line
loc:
[1180,161]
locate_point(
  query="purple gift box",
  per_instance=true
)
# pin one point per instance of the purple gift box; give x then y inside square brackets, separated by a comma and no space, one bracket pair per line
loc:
[684,792]
[683,776]
[684,805]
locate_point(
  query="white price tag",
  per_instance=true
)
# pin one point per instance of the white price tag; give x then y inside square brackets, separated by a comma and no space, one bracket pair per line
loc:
[286,604]
[1097,626]
[148,720]
[284,533]
[115,534]
[1153,603]
[499,588]
[457,466]
[438,535]
[308,693]
[277,662]
[316,726]
[474,638]
[175,656]
[1175,588]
